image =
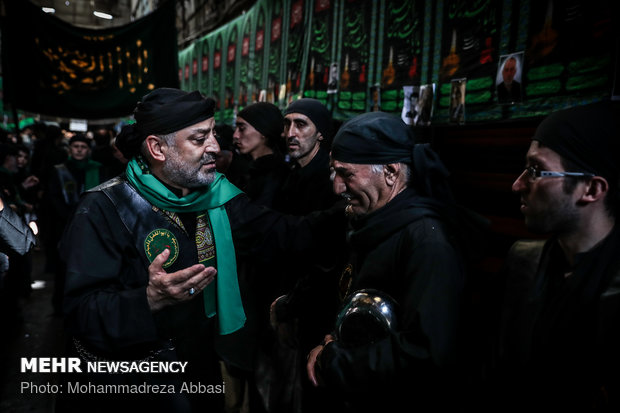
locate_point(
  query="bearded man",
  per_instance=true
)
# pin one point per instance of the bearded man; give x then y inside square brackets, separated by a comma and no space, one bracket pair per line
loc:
[559,333]
[142,254]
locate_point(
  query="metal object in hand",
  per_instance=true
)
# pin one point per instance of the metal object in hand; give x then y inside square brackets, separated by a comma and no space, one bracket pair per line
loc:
[367,316]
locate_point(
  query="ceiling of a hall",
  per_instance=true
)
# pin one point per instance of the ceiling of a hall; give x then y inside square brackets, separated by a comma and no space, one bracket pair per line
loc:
[194,17]
[81,12]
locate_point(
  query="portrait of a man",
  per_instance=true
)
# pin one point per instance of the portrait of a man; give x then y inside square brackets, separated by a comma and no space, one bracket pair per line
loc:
[425,105]
[508,79]
[457,100]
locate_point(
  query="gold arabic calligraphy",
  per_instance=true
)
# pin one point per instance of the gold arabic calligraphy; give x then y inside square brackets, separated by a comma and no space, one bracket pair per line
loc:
[107,63]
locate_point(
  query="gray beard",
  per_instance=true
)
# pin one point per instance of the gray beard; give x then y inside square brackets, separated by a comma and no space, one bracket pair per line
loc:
[183,175]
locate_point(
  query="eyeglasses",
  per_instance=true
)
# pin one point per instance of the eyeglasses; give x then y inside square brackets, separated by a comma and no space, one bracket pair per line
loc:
[533,172]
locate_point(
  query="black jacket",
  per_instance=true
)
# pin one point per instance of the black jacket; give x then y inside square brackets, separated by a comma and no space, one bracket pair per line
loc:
[559,336]
[403,249]
[15,234]
[307,189]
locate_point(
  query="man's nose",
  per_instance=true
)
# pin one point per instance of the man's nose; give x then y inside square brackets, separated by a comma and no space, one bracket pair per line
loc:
[212,145]
[290,131]
[339,186]
[520,184]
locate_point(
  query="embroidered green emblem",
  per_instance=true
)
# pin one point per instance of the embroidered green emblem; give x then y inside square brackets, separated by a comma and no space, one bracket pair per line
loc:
[157,241]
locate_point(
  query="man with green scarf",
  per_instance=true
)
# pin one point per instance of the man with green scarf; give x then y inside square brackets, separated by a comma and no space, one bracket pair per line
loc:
[151,255]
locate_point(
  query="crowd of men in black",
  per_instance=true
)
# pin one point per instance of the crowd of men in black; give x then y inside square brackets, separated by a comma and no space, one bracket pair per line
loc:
[36,186]
[401,232]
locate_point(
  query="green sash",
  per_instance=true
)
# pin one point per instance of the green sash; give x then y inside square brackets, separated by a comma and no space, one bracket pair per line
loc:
[221,297]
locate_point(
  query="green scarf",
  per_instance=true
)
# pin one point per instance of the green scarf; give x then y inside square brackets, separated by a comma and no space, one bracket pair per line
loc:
[222,296]
[91,171]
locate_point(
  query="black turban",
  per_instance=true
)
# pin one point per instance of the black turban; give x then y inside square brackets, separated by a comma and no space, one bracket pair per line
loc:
[316,112]
[266,118]
[585,135]
[79,137]
[375,138]
[163,111]
[378,138]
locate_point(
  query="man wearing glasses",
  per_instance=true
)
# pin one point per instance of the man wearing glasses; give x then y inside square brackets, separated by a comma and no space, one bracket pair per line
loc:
[560,327]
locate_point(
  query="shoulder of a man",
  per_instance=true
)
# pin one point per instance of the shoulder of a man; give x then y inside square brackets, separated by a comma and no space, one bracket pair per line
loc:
[118,180]
[98,197]
[523,258]
[424,228]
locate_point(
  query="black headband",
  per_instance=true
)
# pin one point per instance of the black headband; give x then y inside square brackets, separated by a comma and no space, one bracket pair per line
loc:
[378,138]
[585,135]
[316,112]
[167,110]
[266,118]
[163,111]
[373,138]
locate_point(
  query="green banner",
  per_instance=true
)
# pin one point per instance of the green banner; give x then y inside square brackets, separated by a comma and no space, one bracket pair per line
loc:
[358,55]
[54,68]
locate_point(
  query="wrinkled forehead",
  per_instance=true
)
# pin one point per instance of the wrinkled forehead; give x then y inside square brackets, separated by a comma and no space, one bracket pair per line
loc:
[297,117]
[204,126]
[539,153]
[339,165]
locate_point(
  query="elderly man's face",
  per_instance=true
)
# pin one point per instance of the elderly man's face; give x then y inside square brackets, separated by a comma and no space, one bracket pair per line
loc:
[302,137]
[190,161]
[363,187]
[509,71]
[546,205]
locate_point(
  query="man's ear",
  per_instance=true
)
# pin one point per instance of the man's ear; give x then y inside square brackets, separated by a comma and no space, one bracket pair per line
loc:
[319,136]
[596,189]
[155,145]
[391,172]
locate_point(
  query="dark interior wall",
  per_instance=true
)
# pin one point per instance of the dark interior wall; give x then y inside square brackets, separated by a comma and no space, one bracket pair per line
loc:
[484,160]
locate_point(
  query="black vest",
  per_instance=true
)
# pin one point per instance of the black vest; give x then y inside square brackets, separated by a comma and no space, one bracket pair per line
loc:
[182,322]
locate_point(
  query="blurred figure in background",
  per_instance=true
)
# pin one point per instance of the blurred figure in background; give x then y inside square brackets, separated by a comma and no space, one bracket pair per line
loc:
[104,152]
[229,161]
[298,323]
[78,174]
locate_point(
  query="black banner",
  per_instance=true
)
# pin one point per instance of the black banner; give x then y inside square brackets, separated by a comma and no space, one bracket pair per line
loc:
[54,68]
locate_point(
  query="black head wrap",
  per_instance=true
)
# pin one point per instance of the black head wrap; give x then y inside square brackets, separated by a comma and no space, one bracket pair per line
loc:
[316,112]
[79,137]
[163,111]
[375,138]
[585,135]
[266,118]
[378,138]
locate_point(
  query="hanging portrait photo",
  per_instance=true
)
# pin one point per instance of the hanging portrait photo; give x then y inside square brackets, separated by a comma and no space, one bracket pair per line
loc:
[332,83]
[425,105]
[508,79]
[410,104]
[457,100]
